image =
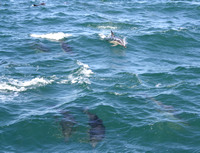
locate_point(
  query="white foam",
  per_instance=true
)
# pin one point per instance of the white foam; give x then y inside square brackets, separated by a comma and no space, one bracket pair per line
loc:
[81,76]
[53,36]
[18,85]
[102,36]
[82,64]
[85,69]
[5,86]
[35,81]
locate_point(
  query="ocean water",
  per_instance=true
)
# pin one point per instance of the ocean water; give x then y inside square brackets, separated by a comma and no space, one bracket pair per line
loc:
[147,94]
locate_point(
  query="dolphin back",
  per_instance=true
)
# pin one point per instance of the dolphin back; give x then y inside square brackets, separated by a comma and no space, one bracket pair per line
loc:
[65,47]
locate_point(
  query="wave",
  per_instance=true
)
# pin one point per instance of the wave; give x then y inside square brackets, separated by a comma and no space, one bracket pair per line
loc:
[52,36]
[80,75]
[19,86]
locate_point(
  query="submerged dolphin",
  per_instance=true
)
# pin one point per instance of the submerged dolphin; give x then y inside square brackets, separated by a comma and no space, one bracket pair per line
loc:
[67,124]
[116,40]
[97,130]
[65,47]
[166,108]
[41,47]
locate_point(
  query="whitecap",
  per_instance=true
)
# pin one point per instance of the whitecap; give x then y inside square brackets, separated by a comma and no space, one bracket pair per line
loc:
[19,86]
[5,86]
[52,36]
[81,75]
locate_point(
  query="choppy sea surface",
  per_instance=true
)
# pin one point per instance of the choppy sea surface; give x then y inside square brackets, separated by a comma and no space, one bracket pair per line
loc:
[147,94]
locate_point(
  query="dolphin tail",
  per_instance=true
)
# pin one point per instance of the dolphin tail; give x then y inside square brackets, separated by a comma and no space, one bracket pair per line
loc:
[124,42]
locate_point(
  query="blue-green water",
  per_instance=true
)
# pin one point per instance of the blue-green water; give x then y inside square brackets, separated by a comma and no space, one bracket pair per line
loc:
[146,94]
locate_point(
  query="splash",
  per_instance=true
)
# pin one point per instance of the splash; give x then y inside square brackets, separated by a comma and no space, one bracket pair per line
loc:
[52,36]
[102,36]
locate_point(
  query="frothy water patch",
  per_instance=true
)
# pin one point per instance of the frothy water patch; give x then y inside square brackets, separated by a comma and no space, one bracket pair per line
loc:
[52,36]
[102,36]
[80,75]
[19,86]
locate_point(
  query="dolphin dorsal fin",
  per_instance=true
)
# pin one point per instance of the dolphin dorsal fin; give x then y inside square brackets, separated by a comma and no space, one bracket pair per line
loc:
[112,34]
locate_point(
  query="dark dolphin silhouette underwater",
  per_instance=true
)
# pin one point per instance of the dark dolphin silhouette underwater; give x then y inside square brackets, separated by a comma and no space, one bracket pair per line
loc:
[67,124]
[41,47]
[97,128]
[65,47]
[96,131]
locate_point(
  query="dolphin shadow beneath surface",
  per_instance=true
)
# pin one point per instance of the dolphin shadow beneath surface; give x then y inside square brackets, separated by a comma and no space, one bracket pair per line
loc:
[67,124]
[40,47]
[65,47]
[169,111]
[97,128]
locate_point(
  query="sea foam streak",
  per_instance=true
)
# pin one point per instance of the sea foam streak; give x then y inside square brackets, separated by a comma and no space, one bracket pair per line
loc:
[17,85]
[52,36]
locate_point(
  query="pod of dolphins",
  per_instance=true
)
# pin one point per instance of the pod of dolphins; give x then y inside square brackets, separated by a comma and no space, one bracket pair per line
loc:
[97,128]
[68,122]
[43,48]
[96,132]
[66,48]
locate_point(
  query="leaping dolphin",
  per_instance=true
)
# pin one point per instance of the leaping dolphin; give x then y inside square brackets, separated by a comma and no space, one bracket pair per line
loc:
[116,40]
